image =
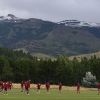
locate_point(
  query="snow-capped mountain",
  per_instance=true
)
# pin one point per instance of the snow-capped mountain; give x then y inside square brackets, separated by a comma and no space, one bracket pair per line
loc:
[71,23]
[76,23]
[9,17]
[50,38]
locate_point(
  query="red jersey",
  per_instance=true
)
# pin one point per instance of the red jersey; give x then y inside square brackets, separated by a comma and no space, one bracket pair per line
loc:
[78,86]
[26,86]
[60,86]
[47,85]
[28,83]
[5,86]
[98,85]
[38,86]
[9,85]
[1,85]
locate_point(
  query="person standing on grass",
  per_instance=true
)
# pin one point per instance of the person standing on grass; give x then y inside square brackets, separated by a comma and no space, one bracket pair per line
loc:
[60,87]
[98,86]
[27,87]
[78,88]
[47,86]
[5,87]
[10,85]
[38,87]
[29,82]
[22,86]
[1,86]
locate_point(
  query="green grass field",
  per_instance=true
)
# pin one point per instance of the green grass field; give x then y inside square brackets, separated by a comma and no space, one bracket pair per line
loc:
[52,95]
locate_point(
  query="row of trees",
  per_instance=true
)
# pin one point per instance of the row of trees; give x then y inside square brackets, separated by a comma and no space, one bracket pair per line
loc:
[16,66]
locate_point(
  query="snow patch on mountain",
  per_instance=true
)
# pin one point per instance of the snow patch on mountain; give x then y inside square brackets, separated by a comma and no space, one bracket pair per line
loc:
[9,17]
[76,23]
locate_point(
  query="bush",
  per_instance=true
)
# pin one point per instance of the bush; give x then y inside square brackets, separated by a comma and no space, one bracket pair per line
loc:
[89,80]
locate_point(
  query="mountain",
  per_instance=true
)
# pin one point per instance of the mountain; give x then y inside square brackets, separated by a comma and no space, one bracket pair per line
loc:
[9,17]
[48,38]
[77,23]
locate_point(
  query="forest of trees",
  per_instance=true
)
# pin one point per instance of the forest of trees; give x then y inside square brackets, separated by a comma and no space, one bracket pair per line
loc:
[16,66]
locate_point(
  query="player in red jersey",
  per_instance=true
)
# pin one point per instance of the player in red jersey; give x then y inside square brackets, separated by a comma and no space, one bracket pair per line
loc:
[5,87]
[9,85]
[29,82]
[98,86]
[38,87]
[78,88]
[1,86]
[27,87]
[47,86]
[60,87]
[22,86]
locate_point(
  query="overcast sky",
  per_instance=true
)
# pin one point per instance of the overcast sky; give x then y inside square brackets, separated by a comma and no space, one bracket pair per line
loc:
[53,10]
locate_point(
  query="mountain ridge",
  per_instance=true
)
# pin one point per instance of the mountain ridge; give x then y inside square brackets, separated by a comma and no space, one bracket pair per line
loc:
[70,22]
[77,23]
[39,36]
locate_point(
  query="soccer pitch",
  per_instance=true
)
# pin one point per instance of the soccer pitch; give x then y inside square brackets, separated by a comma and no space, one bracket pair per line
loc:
[15,94]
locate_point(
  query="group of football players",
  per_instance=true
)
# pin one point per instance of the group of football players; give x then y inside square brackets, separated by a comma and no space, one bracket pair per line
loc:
[5,86]
[25,87]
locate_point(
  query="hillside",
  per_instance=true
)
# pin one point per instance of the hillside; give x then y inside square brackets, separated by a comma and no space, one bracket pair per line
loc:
[45,37]
[97,54]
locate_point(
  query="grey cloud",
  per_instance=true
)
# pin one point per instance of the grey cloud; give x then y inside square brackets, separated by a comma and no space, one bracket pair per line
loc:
[54,10]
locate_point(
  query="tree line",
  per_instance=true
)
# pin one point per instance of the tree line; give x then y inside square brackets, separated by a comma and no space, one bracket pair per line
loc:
[16,66]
